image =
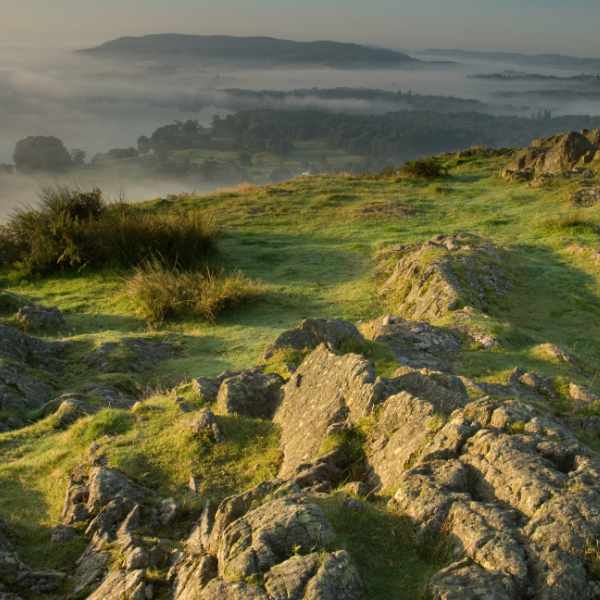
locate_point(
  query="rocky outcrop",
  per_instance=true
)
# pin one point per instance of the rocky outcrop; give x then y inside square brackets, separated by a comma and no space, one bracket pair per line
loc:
[586,196]
[518,497]
[326,393]
[272,534]
[555,155]
[310,333]
[415,343]
[27,367]
[129,354]
[430,280]
[113,510]
[252,393]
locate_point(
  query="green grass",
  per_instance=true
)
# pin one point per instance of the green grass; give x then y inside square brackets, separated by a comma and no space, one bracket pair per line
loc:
[313,243]
[390,561]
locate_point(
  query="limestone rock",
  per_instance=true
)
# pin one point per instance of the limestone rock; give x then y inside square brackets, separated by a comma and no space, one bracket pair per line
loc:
[208,387]
[403,431]
[310,333]
[586,196]
[122,584]
[327,389]
[557,154]
[205,424]
[222,590]
[315,577]
[430,280]
[415,343]
[251,394]
[130,354]
[518,497]
[270,534]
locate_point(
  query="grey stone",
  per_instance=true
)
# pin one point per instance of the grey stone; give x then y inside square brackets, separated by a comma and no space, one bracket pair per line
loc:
[310,333]
[250,394]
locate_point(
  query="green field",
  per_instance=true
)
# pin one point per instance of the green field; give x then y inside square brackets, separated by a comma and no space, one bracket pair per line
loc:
[312,242]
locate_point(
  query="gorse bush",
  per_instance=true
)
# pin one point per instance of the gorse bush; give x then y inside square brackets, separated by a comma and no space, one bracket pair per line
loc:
[161,293]
[72,229]
[426,168]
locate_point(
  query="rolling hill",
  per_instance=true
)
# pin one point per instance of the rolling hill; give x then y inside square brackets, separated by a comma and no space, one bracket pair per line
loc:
[263,50]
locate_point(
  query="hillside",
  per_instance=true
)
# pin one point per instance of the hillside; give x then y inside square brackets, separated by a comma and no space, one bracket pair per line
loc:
[404,402]
[262,50]
[540,60]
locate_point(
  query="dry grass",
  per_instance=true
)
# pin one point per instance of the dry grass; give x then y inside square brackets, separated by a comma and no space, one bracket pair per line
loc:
[71,229]
[161,293]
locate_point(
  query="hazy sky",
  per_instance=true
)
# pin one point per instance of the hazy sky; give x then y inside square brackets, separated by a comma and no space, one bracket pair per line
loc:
[567,26]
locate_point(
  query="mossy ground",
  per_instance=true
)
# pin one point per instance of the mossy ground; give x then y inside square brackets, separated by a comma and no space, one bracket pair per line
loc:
[312,242]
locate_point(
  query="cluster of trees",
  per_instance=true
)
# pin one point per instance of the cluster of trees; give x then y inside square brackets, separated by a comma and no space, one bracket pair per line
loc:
[385,138]
[402,134]
[46,153]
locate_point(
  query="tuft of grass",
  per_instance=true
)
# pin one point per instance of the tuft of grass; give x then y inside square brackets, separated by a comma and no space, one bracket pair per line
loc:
[160,293]
[284,361]
[592,558]
[71,229]
[573,221]
[425,168]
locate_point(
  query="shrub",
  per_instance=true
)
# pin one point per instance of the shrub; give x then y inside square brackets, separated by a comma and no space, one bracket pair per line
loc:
[71,229]
[425,168]
[161,293]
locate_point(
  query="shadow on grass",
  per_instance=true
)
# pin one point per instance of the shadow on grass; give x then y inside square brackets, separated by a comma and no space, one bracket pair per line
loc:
[25,511]
[551,301]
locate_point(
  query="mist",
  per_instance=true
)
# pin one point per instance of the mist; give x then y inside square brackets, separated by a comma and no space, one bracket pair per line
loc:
[97,104]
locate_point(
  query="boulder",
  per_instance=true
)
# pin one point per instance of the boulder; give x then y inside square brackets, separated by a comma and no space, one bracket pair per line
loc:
[129,354]
[251,394]
[310,333]
[270,534]
[122,584]
[415,343]
[205,424]
[331,576]
[327,390]
[586,196]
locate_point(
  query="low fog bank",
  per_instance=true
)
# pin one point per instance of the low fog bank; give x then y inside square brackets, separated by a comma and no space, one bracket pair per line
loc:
[98,104]
[22,191]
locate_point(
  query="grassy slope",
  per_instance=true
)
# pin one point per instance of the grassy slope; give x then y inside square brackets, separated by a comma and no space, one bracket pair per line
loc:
[312,241]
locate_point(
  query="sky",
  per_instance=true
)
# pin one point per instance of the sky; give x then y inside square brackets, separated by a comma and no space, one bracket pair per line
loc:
[535,26]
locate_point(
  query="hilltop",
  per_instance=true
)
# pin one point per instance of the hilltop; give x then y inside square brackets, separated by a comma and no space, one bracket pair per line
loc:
[259,50]
[392,392]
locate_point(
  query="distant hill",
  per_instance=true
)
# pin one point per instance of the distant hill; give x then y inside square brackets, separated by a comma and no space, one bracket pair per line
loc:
[265,50]
[548,60]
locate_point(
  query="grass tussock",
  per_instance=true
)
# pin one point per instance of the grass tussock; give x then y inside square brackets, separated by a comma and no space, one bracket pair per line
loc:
[160,293]
[425,168]
[574,220]
[71,229]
